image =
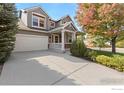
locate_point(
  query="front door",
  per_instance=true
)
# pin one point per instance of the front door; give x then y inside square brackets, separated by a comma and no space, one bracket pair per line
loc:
[56,38]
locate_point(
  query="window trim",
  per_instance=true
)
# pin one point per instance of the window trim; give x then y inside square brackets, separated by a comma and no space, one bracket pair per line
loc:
[38,20]
[39,23]
[32,20]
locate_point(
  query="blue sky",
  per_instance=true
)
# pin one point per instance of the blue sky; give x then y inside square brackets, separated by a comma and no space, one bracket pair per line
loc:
[54,10]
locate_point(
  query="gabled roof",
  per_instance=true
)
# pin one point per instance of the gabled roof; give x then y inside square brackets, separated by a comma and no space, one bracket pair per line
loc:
[71,23]
[63,17]
[22,26]
[63,26]
[70,19]
[36,7]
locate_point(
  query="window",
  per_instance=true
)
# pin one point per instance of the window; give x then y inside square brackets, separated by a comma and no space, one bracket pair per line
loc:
[52,24]
[41,23]
[35,21]
[38,21]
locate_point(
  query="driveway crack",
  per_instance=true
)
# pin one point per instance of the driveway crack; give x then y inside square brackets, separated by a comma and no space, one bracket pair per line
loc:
[70,74]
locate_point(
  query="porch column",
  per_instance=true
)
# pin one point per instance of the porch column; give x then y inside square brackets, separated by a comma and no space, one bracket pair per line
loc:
[51,39]
[63,41]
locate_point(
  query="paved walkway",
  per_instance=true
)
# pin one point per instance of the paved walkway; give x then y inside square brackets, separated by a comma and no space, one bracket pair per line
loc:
[50,68]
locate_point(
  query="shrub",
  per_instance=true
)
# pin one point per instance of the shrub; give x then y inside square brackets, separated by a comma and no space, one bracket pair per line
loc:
[78,48]
[91,54]
[120,44]
[116,62]
[105,60]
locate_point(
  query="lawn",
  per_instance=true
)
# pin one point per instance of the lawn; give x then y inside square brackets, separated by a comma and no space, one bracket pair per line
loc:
[109,59]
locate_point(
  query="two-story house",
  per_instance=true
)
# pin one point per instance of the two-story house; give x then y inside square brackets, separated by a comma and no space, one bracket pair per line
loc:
[37,31]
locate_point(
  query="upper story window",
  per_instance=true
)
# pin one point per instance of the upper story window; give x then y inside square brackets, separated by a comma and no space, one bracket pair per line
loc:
[42,22]
[38,21]
[35,21]
[52,24]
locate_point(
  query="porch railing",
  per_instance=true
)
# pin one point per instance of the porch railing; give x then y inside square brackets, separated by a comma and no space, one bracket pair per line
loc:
[59,45]
[55,45]
[67,45]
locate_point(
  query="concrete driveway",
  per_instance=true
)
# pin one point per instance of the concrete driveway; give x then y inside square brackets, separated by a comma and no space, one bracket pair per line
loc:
[50,68]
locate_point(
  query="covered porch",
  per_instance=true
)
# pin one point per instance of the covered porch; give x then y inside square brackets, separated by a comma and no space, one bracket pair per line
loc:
[61,39]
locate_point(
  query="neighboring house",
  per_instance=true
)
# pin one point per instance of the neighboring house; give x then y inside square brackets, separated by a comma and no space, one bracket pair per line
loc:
[37,31]
[88,41]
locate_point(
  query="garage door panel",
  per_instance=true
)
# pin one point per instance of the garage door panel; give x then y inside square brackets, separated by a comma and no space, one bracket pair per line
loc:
[31,42]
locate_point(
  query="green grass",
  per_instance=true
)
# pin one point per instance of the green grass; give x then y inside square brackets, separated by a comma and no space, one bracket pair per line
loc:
[120,44]
[109,59]
[107,53]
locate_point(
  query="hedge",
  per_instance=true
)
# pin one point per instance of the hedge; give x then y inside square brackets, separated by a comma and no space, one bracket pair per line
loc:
[115,62]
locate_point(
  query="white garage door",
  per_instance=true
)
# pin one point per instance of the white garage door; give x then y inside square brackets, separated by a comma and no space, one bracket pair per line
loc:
[30,42]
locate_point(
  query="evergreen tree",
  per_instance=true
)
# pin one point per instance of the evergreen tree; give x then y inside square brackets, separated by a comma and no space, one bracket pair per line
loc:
[8,29]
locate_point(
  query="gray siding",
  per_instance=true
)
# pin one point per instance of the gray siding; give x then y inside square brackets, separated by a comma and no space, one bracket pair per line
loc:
[70,28]
[66,19]
[38,10]
[57,24]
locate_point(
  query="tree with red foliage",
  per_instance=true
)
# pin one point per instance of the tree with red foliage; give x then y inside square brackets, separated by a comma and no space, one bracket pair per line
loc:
[105,20]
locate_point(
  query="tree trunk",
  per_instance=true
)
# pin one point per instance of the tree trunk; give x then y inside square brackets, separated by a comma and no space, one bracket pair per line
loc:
[113,45]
